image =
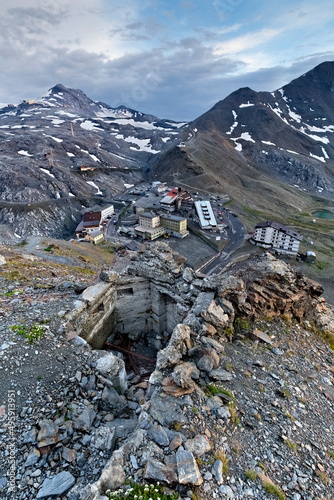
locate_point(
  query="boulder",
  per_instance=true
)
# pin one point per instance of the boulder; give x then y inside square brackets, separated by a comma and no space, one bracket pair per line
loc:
[198,445]
[159,472]
[113,368]
[103,438]
[56,485]
[216,316]
[178,346]
[48,434]
[184,373]
[187,469]
[112,401]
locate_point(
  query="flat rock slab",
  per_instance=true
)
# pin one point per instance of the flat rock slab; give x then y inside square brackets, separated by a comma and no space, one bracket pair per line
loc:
[159,472]
[56,485]
[259,335]
[166,410]
[94,292]
[221,375]
[198,445]
[187,468]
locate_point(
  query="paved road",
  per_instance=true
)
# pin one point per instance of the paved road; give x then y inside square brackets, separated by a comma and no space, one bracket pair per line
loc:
[236,234]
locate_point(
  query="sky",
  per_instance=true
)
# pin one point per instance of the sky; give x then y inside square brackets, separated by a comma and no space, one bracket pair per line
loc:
[171,58]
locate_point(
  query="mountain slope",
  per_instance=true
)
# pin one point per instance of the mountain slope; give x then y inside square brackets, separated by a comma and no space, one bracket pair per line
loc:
[45,143]
[261,141]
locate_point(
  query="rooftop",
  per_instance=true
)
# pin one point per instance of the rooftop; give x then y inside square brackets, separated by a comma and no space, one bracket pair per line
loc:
[280,227]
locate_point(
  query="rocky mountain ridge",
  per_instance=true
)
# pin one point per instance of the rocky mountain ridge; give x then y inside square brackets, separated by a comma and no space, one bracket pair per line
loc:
[63,149]
[221,415]
[278,143]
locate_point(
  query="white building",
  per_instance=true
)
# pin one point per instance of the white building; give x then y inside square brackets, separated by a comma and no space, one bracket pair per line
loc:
[205,213]
[106,211]
[273,235]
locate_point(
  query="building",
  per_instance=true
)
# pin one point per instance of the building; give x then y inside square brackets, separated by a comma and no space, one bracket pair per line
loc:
[150,233]
[177,226]
[205,214]
[91,220]
[158,187]
[168,202]
[278,237]
[148,219]
[107,211]
[174,200]
[94,236]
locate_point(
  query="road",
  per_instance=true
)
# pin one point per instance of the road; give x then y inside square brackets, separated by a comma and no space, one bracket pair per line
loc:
[236,234]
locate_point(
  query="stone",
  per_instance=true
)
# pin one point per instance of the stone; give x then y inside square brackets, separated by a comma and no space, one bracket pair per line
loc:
[159,472]
[217,471]
[85,418]
[32,458]
[175,442]
[166,409]
[226,491]
[209,361]
[103,438]
[208,329]
[2,260]
[70,455]
[29,437]
[178,346]
[187,275]
[56,485]
[215,316]
[112,401]
[112,367]
[94,292]
[202,302]
[198,445]
[221,375]
[112,477]
[48,434]
[187,468]
[217,346]
[158,434]
[184,373]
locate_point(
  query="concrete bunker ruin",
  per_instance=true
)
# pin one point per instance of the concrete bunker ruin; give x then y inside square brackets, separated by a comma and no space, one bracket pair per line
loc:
[129,305]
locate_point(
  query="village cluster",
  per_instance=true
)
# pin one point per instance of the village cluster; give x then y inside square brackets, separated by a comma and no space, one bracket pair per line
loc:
[171,213]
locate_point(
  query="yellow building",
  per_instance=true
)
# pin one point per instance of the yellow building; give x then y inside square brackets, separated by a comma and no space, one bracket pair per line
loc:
[147,219]
[177,226]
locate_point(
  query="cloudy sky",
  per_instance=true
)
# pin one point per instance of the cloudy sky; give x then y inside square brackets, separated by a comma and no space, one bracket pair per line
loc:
[171,58]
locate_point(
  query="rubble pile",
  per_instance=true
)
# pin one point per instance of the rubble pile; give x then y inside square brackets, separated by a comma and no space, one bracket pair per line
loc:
[241,393]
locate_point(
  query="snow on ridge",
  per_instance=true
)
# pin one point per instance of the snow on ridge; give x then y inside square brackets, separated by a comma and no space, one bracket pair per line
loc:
[235,124]
[24,153]
[47,172]
[269,143]
[89,125]
[281,91]
[246,105]
[320,158]
[295,116]
[91,183]
[142,143]
[54,138]
[324,152]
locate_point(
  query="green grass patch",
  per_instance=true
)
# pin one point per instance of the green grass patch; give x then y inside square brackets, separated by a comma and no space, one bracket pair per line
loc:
[251,474]
[272,489]
[32,333]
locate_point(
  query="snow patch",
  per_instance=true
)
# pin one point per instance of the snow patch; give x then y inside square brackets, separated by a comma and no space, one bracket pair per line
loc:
[269,143]
[247,105]
[91,183]
[128,186]
[70,154]
[320,158]
[88,125]
[24,153]
[47,172]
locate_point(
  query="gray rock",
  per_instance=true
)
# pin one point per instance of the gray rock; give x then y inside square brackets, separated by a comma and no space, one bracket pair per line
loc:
[158,434]
[166,409]
[198,445]
[29,437]
[202,302]
[56,485]
[2,260]
[112,401]
[103,438]
[217,346]
[32,458]
[178,346]
[184,373]
[221,375]
[114,368]
[48,434]
[187,468]
[217,471]
[159,472]
[226,491]
[85,418]
[216,316]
